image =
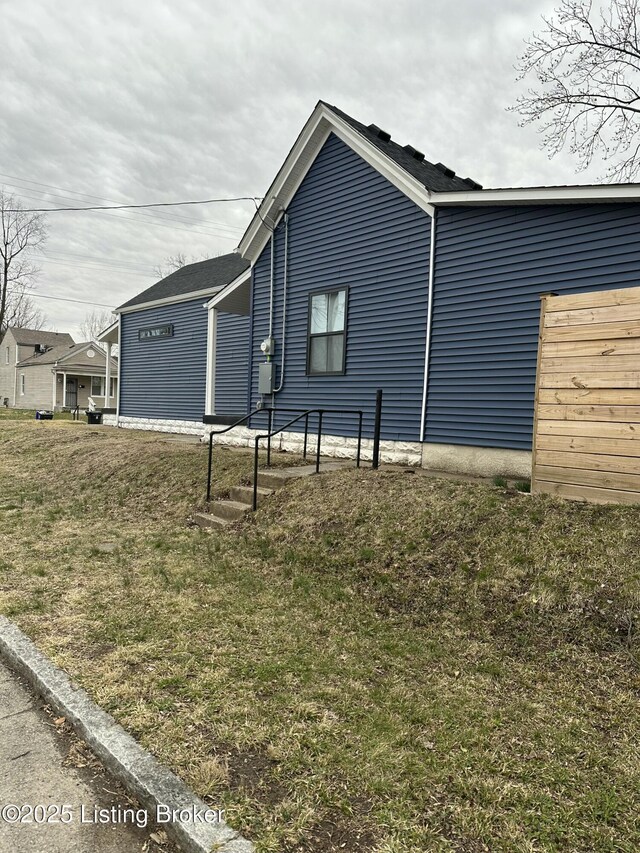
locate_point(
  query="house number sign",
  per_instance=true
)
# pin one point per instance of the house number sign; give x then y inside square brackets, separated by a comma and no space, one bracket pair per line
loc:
[155,332]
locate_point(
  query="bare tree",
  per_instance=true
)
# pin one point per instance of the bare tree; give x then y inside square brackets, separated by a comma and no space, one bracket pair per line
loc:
[20,232]
[170,264]
[95,321]
[22,312]
[587,65]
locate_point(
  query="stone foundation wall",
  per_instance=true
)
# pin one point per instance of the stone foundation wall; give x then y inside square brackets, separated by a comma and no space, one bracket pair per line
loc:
[160,425]
[338,446]
[458,459]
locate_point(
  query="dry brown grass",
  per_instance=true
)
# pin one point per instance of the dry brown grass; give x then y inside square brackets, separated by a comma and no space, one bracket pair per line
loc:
[373,661]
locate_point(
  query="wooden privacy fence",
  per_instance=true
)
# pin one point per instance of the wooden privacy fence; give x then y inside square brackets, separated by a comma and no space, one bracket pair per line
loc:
[586,441]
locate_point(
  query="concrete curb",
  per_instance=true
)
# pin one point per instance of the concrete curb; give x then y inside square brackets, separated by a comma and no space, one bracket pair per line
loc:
[140,773]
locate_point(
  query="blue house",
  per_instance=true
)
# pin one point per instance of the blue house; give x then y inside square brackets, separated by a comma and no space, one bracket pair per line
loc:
[169,382]
[371,267]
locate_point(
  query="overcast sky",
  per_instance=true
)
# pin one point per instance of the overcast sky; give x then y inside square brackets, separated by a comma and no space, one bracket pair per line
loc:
[149,101]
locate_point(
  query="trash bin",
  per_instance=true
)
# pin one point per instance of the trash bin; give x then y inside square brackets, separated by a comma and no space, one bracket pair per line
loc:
[44,415]
[94,417]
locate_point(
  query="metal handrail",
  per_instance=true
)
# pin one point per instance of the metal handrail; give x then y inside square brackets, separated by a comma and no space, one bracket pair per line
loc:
[242,420]
[305,415]
[226,429]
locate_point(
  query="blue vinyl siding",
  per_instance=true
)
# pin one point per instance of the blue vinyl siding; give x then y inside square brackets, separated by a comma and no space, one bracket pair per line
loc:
[350,227]
[492,265]
[232,364]
[164,378]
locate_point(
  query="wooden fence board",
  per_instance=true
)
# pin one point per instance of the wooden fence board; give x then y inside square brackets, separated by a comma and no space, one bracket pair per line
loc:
[594,396]
[588,493]
[589,461]
[591,364]
[595,429]
[587,444]
[595,299]
[595,331]
[614,414]
[590,316]
[586,477]
[607,379]
[604,347]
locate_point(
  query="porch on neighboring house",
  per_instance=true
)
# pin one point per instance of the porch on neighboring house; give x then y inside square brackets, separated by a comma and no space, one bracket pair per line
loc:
[76,390]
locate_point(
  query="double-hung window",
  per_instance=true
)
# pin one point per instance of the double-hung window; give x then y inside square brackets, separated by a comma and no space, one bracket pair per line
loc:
[97,386]
[326,345]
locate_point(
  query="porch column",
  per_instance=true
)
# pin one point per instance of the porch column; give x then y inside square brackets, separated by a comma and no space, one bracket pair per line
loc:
[107,389]
[210,390]
[64,390]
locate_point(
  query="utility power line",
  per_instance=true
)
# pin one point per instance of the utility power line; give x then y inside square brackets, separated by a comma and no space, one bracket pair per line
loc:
[254,199]
[115,201]
[69,299]
[149,219]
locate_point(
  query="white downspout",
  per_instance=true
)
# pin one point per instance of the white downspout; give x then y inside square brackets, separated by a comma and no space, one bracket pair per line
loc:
[272,283]
[427,349]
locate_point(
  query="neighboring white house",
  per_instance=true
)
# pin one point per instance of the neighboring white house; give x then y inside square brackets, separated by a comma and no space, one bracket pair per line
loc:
[47,370]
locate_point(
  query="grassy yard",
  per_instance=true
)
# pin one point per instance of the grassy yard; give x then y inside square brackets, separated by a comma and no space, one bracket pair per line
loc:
[374,661]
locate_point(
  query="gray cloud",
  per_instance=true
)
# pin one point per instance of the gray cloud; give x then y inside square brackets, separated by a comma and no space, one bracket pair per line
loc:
[158,101]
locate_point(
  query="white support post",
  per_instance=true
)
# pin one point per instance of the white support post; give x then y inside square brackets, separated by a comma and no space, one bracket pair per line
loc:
[107,383]
[64,390]
[210,394]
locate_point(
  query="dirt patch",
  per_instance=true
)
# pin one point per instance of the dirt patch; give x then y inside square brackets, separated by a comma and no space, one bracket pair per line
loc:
[335,834]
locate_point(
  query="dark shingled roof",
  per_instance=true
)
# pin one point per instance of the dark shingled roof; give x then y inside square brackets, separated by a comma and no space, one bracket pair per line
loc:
[436,178]
[57,352]
[32,337]
[203,275]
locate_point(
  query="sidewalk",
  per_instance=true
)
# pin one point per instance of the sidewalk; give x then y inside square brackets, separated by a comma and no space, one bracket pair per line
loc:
[34,770]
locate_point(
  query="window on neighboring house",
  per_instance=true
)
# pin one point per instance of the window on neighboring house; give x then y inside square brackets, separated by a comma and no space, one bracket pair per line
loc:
[22,384]
[6,356]
[97,386]
[112,385]
[326,346]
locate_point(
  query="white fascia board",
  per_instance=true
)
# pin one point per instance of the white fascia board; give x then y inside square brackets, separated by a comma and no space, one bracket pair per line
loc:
[168,300]
[229,288]
[315,133]
[395,174]
[82,349]
[541,195]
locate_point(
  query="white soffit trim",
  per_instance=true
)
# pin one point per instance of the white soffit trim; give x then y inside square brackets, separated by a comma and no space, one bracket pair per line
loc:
[306,148]
[169,300]
[110,334]
[228,293]
[543,195]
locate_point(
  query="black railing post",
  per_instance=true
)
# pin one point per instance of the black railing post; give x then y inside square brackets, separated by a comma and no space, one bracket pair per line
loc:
[375,460]
[269,438]
[319,437]
[359,439]
[209,468]
[306,435]
[254,502]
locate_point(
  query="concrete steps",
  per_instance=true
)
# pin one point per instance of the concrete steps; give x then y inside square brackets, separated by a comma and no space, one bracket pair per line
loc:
[222,513]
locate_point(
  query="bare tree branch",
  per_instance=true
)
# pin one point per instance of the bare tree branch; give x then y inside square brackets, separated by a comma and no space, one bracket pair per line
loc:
[587,67]
[19,230]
